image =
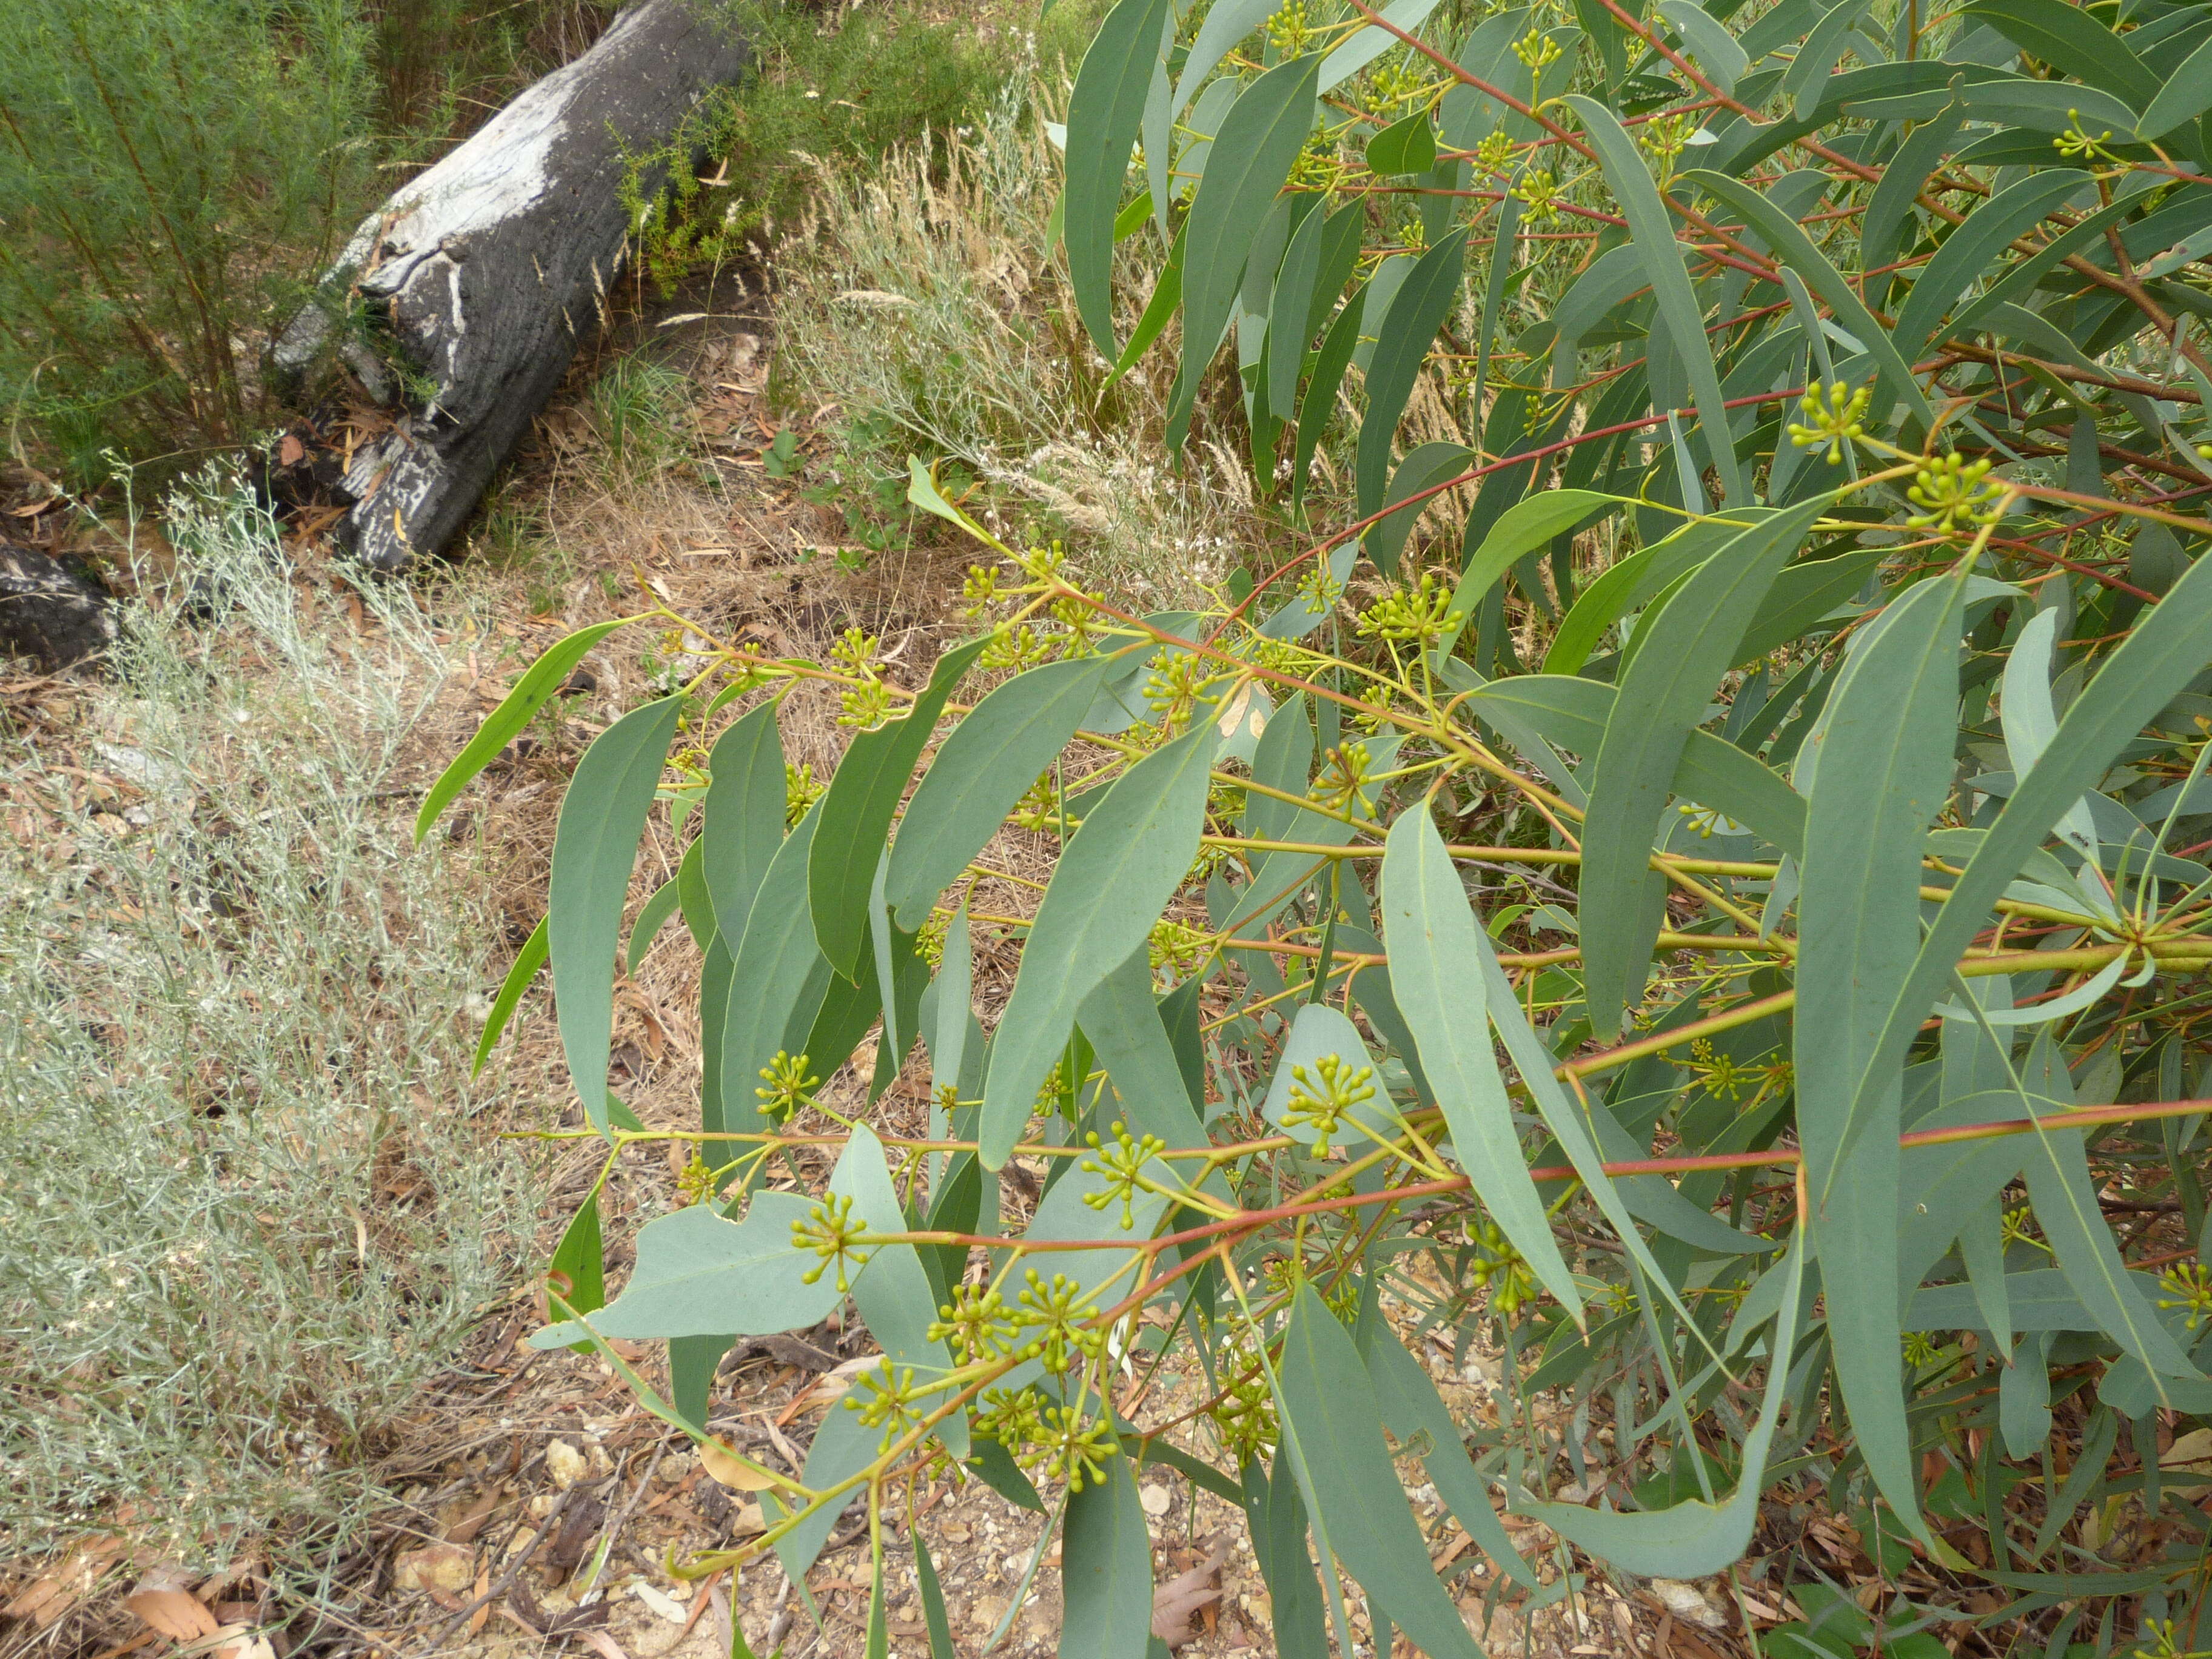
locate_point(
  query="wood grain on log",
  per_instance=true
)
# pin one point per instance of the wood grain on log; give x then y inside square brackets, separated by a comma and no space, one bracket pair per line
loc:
[486,273]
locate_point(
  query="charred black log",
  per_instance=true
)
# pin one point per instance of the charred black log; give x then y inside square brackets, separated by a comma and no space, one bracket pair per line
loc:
[52,611]
[478,281]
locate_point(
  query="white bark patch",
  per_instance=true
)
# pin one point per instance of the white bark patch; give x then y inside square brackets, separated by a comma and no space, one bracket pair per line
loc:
[502,171]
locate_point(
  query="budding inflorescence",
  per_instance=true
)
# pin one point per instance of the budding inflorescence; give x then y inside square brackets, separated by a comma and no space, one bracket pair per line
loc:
[976,1322]
[785,1088]
[1498,1265]
[1119,1161]
[1834,415]
[1059,1315]
[890,1402]
[1420,616]
[1321,1096]
[840,1238]
[1951,491]
[1538,193]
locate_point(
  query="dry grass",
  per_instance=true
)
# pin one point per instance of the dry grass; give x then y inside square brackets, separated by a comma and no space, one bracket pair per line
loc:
[928,303]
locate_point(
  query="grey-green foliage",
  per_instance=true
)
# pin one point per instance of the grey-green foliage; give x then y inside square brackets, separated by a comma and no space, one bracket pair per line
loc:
[250,1206]
[1852,845]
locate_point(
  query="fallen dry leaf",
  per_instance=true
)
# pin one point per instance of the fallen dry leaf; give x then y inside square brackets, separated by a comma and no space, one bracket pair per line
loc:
[451,1568]
[602,1643]
[177,1613]
[290,451]
[464,1527]
[727,1468]
[50,1595]
[1177,1604]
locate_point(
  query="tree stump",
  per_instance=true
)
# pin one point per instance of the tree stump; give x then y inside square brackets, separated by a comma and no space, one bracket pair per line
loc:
[481,278]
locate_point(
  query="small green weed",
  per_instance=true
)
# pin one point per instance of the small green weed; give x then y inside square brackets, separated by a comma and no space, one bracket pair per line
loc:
[637,410]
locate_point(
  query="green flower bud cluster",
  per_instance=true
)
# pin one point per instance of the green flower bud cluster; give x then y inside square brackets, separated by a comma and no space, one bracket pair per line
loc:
[1120,1163]
[1319,1098]
[832,1232]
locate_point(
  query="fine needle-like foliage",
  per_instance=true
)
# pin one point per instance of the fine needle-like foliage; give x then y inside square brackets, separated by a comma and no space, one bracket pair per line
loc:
[1729,919]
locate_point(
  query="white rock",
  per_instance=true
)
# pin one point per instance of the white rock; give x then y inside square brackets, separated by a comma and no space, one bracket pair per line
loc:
[565,1464]
[1687,1601]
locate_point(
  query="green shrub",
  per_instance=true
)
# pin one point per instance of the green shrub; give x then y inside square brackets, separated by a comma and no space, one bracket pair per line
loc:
[1717,925]
[823,98]
[173,170]
[178,174]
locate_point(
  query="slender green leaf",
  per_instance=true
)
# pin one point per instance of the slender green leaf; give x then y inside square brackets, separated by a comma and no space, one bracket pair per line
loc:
[2186,95]
[1355,1489]
[650,920]
[1105,112]
[1110,884]
[594,847]
[1121,1018]
[1717,53]
[504,724]
[578,1270]
[856,814]
[1367,45]
[742,821]
[933,1602]
[1401,347]
[1883,770]
[692,895]
[1335,355]
[986,765]
[1276,1518]
[1159,310]
[1225,25]
[1253,153]
[1106,1571]
[1810,69]
[692,1362]
[1435,973]
[1686,647]
[528,961]
[777,977]
[1653,235]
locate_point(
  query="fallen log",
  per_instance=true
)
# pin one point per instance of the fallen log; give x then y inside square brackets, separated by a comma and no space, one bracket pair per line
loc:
[459,304]
[52,609]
